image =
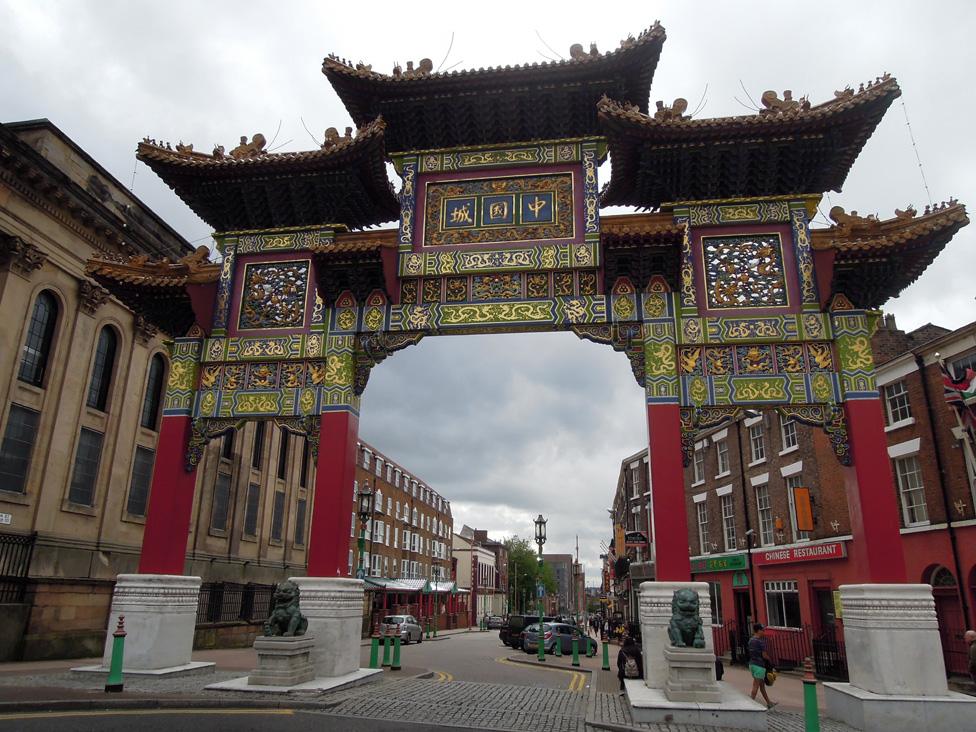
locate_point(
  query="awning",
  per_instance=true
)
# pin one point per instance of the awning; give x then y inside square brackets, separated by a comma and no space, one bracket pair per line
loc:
[383,584]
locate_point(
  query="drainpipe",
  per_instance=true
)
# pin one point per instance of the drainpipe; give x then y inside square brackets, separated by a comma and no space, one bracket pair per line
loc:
[942,490]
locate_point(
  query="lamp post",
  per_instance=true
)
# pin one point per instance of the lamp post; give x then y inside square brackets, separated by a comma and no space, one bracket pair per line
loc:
[365,501]
[540,539]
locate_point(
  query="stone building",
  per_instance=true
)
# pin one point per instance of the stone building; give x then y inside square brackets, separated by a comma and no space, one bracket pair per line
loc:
[478,572]
[80,386]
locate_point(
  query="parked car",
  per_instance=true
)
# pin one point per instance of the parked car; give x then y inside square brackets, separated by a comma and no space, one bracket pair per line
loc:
[406,625]
[553,633]
[495,622]
[510,633]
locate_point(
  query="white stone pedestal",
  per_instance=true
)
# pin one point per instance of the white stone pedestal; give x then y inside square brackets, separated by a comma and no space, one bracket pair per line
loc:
[334,608]
[691,675]
[160,617]
[655,615]
[894,656]
[283,661]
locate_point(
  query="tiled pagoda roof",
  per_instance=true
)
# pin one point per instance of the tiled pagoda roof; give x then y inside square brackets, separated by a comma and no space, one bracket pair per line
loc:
[159,291]
[789,147]
[343,182]
[539,101]
[876,259]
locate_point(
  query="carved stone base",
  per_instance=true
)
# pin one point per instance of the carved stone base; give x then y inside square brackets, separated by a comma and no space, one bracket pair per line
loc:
[334,608]
[892,637]
[160,616]
[655,616]
[691,676]
[283,661]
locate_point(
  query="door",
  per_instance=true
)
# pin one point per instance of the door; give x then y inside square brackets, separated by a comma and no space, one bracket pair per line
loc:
[823,611]
[740,632]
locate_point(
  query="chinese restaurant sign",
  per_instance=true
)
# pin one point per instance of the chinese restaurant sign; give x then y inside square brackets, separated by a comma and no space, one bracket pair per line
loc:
[719,564]
[831,550]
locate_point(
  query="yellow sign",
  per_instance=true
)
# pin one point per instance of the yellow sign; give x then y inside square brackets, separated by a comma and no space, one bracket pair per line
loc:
[619,539]
[838,609]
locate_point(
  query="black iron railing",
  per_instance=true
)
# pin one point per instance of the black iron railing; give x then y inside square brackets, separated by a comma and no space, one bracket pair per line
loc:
[228,602]
[15,558]
[786,647]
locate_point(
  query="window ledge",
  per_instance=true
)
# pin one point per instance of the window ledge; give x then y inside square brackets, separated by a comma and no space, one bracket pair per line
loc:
[249,538]
[134,519]
[754,463]
[14,497]
[724,474]
[899,424]
[219,533]
[788,450]
[70,507]
[698,482]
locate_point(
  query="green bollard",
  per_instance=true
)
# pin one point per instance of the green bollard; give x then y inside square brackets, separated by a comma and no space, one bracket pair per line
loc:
[114,680]
[559,646]
[606,654]
[435,627]
[374,648]
[395,665]
[428,628]
[387,643]
[575,648]
[811,714]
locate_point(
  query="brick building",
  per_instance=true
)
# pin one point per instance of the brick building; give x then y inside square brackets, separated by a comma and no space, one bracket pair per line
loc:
[406,558]
[632,542]
[478,573]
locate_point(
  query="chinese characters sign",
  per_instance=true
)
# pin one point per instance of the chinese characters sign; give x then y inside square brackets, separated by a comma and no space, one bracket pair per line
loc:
[499,210]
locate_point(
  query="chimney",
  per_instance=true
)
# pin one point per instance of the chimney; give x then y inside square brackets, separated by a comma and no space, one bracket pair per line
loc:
[889,321]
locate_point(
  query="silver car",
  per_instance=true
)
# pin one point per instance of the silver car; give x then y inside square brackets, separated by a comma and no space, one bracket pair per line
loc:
[406,625]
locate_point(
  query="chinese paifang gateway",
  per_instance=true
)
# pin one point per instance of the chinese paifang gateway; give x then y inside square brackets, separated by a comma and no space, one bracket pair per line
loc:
[720,294]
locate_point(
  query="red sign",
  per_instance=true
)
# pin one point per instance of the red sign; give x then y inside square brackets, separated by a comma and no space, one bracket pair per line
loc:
[830,550]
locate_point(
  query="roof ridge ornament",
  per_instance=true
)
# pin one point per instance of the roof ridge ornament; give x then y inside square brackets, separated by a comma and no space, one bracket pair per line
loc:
[676,112]
[251,149]
[787,105]
[851,221]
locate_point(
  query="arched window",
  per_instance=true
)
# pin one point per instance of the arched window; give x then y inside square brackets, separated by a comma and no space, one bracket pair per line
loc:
[101,378]
[154,393]
[40,335]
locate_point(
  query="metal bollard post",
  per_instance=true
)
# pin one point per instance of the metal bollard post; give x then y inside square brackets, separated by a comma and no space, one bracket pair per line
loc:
[435,626]
[395,665]
[558,649]
[374,647]
[114,680]
[606,653]
[428,628]
[575,648]
[811,714]
[387,645]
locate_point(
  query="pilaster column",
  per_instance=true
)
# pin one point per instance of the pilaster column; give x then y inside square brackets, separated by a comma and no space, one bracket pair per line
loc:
[170,501]
[328,550]
[871,496]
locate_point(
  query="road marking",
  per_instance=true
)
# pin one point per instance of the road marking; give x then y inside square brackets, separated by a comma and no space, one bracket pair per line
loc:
[444,676]
[576,684]
[140,713]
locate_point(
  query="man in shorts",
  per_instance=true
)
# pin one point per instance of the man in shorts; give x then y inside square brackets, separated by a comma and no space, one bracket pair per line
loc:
[757,663]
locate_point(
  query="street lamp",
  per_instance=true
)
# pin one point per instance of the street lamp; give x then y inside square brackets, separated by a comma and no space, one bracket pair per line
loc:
[540,539]
[364,500]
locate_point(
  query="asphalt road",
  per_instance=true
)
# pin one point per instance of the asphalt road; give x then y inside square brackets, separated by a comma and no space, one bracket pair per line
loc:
[482,657]
[216,720]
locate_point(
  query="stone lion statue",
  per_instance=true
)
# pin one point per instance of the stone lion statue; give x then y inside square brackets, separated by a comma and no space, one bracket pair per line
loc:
[286,619]
[685,628]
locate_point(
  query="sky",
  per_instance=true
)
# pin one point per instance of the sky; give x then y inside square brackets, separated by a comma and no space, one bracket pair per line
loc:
[508,426]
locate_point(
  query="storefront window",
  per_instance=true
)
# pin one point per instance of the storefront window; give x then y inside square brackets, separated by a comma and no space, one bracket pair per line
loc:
[783,603]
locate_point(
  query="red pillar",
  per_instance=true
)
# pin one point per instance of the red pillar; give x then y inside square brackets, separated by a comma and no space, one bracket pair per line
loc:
[871,497]
[668,493]
[328,550]
[170,501]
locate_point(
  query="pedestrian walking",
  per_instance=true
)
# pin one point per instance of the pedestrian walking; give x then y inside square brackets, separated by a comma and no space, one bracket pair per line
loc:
[630,663]
[758,659]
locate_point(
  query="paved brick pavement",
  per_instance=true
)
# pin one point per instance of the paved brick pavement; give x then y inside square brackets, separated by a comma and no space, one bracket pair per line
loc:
[465,703]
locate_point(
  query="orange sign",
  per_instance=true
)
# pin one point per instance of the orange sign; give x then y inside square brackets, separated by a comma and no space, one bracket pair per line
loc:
[804,508]
[619,540]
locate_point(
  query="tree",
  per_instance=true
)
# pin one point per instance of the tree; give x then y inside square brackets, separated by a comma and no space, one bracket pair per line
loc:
[523,574]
